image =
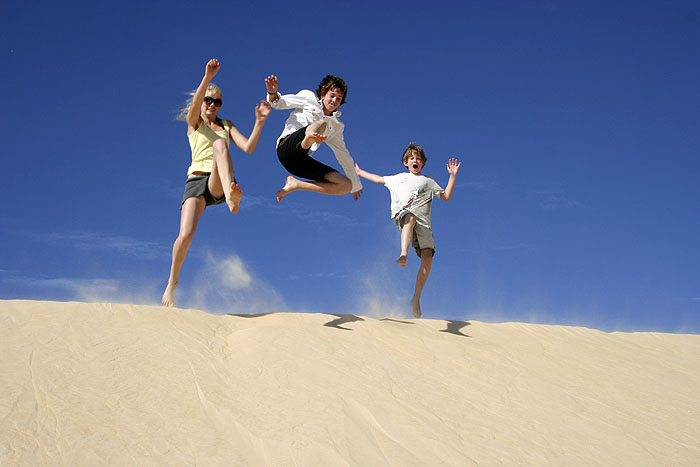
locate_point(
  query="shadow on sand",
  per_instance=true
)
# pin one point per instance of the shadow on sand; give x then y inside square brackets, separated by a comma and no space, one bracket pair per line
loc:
[453,327]
[343,319]
[252,315]
[396,321]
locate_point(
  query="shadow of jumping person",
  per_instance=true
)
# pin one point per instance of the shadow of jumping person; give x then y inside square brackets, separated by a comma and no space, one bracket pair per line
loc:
[453,327]
[343,319]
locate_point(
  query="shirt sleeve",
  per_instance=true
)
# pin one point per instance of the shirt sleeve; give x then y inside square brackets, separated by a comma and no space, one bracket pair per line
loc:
[292,101]
[389,181]
[337,144]
[435,188]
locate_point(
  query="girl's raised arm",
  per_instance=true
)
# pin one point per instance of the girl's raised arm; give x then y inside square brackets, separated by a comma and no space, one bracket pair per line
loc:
[210,71]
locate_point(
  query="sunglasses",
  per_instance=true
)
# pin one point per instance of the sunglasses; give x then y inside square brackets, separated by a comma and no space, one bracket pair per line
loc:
[210,100]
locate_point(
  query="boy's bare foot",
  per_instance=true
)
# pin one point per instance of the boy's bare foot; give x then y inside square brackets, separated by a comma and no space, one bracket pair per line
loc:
[169,295]
[289,186]
[415,308]
[312,138]
[402,261]
[233,198]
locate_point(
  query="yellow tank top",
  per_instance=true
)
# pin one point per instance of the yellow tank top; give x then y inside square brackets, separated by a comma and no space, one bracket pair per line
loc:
[202,145]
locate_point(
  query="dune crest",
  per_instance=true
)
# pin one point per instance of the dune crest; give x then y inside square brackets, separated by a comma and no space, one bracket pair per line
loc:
[99,384]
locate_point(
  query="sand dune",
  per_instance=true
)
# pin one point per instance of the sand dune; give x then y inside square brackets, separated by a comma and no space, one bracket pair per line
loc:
[101,384]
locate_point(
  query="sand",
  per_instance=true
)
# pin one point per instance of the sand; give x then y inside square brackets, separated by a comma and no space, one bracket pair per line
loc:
[86,384]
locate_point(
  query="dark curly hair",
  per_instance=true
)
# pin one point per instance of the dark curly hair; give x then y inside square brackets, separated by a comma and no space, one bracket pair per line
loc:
[330,82]
[413,147]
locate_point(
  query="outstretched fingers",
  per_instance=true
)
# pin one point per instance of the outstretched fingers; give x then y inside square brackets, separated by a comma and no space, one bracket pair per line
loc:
[271,83]
[453,166]
[262,110]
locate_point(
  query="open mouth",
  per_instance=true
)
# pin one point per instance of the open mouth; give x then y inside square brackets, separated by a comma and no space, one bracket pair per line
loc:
[415,166]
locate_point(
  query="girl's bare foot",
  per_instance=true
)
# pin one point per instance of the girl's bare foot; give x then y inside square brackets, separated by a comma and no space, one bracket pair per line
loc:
[402,261]
[415,307]
[312,138]
[169,295]
[233,198]
[289,186]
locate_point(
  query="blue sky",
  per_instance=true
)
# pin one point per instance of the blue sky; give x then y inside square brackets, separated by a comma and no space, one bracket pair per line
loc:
[576,123]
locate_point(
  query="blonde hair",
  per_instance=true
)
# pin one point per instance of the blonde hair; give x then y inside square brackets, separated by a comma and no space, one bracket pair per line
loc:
[182,113]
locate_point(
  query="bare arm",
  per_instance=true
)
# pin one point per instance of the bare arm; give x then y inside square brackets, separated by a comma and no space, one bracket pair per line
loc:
[247,145]
[452,168]
[195,109]
[369,176]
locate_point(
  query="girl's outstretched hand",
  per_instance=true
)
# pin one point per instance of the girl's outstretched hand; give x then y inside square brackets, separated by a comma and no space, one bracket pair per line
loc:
[453,166]
[212,67]
[262,110]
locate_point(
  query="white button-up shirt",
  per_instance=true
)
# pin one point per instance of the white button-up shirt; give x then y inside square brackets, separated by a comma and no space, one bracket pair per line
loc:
[307,110]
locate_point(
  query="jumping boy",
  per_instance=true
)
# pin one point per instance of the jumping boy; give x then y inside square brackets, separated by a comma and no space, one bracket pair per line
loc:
[313,121]
[411,198]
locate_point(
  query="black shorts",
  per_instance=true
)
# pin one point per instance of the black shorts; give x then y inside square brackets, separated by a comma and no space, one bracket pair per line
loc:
[297,160]
[198,185]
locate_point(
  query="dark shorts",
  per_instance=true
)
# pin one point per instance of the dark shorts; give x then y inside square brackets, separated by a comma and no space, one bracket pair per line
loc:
[297,160]
[198,185]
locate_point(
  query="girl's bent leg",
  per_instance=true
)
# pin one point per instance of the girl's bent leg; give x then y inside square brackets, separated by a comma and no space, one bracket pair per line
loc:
[192,210]
[221,178]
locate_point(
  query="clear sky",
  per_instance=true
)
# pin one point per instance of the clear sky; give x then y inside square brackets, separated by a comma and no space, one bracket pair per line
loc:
[577,124]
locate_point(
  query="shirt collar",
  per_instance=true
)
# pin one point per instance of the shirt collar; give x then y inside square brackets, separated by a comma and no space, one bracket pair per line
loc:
[336,114]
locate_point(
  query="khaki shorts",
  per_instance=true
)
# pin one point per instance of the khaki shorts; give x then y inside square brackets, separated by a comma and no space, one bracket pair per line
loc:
[422,235]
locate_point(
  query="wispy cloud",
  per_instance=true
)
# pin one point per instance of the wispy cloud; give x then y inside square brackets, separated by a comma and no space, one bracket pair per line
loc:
[497,248]
[89,290]
[167,189]
[555,200]
[83,290]
[315,275]
[290,208]
[257,201]
[84,240]
[480,185]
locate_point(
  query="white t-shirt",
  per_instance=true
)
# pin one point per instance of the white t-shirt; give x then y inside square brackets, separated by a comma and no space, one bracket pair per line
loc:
[413,193]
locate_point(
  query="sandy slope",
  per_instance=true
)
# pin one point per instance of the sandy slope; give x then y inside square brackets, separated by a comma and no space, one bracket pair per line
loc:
[101,384]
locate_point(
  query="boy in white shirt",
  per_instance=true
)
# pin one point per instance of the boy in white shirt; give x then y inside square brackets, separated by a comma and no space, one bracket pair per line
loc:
[411,199]
[313,121]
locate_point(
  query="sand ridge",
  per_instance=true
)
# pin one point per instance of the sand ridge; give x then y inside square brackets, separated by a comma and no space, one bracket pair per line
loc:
[108,384]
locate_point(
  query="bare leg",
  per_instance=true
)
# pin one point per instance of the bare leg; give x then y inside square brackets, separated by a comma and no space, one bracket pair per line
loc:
[426,262]
[221,178]
[409,223]
[335,184]
[192,211]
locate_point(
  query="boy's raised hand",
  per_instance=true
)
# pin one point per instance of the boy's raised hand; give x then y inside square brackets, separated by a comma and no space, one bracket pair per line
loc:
[271,83]
[453,166]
